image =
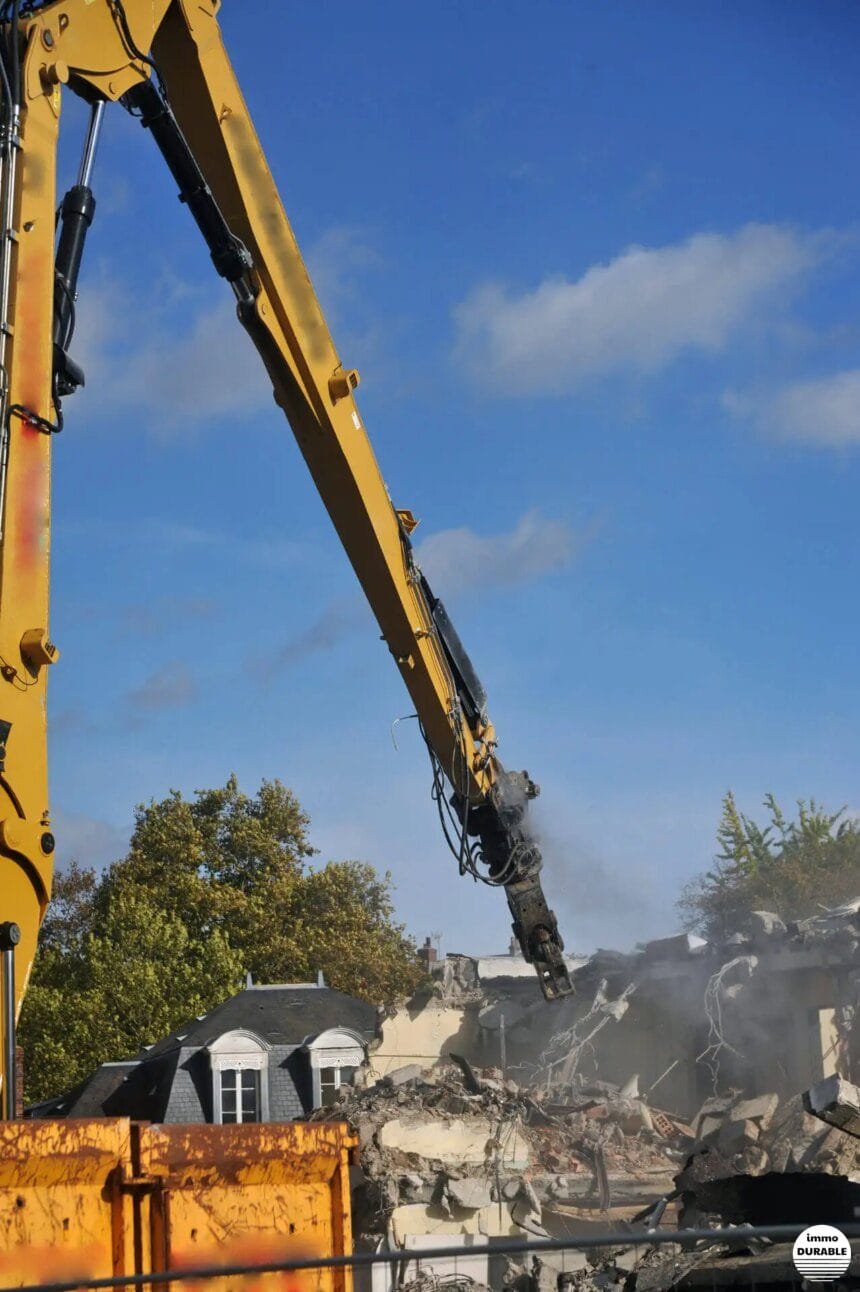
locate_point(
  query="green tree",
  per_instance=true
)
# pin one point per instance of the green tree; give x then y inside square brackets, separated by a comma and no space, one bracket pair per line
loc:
[210,888]
[792,867]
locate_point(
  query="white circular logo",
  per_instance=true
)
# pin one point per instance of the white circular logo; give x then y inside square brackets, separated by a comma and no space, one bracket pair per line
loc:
[821,1253]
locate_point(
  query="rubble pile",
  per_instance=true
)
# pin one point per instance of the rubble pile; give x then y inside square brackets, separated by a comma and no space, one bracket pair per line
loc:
[459,1140]
[461,1150]
[769,1161]
[467,1151]
[457,1154]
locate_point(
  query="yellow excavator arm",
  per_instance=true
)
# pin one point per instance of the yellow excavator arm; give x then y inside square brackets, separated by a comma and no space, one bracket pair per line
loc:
[165,62]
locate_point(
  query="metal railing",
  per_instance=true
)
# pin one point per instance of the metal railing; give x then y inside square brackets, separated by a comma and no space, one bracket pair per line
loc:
[735,1236]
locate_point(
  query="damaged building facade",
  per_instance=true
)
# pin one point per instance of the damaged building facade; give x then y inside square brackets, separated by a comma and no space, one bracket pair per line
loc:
[687,1084]
[768,1010]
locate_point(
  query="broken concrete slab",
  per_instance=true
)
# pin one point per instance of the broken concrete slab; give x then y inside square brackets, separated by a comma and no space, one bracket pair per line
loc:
[413,1187]
[569,1261]
[410,1072]
[464,1272]
[761,1110]
[527,1219]
[632,1116]
[737,1135]
[455,1141]
[715,1107]
[710,1125]
[470,1193]
[627,1258]
[799,1141]
[835,1101]
[416,1221]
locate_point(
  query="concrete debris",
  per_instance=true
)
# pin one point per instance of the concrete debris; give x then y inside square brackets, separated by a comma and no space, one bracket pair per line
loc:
[565,1263]
[630,1089]
[525,1122]
[559,1062]
[627,1258]
[518,1162]
[780,1167]
[766,924]
[400,1076]
[836,1101]
[458,979]
[737,1135]
[458,1150]
[470,1193]
[761,1110]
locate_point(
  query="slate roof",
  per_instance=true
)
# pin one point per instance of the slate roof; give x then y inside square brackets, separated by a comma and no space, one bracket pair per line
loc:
[280,1015]
[87,1097]
[283,1015]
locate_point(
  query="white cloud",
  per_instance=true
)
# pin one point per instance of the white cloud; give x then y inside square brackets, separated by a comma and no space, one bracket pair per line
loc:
[455,561]
[336,261]
[143,367]
[637,313]
[459,560]
[88,840]
[825,410]
[179,357]
[264,551]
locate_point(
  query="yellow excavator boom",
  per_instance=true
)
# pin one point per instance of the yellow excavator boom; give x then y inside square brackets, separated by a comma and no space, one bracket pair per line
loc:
[165,62]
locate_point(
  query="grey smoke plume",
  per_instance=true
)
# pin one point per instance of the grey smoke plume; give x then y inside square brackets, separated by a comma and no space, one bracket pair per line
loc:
[597,904]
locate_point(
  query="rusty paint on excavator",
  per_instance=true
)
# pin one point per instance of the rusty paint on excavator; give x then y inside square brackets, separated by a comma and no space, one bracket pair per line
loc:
[94,1198]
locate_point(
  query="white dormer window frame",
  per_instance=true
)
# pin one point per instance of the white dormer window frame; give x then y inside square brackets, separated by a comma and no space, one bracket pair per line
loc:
[334,1055]
[239,1051]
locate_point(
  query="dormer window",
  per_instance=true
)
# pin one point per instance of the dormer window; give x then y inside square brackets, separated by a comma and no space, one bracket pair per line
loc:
[331,1080]
[240,1095]
[335,1056]
[240,1086]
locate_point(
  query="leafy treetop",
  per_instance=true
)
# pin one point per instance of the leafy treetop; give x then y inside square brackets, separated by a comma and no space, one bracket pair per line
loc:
[211,888]
[791,866]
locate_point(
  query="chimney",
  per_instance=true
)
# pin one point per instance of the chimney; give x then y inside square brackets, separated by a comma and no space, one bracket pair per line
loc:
[428,954]
[514,948]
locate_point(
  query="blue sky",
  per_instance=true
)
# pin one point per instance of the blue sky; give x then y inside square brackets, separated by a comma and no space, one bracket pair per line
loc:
[598,267]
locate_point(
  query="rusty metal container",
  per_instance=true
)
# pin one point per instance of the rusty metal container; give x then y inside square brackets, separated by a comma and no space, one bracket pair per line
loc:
[106,1196]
